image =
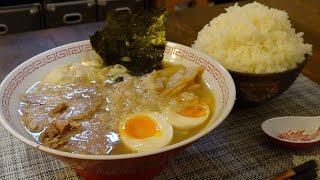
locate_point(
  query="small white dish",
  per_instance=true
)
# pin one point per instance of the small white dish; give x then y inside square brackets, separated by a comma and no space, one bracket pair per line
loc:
[297,132]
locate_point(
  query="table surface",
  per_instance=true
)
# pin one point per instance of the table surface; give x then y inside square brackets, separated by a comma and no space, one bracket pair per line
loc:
[229,152]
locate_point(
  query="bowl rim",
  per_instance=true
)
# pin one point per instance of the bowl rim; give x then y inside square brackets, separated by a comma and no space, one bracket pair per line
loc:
[299,66]
[188,141]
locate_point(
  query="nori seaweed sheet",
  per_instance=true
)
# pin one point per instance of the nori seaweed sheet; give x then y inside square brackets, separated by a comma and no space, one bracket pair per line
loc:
[135,40]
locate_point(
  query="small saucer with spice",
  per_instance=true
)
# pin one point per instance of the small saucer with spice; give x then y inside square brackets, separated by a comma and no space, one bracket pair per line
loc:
[295,132]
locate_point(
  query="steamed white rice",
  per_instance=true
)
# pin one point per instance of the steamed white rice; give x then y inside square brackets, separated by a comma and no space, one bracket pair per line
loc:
[253,39]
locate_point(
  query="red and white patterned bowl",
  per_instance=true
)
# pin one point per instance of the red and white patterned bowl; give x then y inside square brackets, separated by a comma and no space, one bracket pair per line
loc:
[141,165]
[310,137]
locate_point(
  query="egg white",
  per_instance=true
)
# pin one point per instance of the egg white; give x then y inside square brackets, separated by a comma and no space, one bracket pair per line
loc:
[160,139]
[184,122]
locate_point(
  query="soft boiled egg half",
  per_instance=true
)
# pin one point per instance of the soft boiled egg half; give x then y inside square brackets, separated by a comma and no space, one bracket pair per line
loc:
[187,115]
[144,131]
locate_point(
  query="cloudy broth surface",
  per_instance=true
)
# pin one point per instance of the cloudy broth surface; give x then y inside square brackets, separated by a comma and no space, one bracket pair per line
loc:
[78,108]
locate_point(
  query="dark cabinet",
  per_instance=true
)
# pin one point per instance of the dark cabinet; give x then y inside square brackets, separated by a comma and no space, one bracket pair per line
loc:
[25,15]
[103,6]
[19,18]
[69,12]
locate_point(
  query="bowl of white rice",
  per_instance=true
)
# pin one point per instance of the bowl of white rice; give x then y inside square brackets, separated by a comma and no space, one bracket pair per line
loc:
[259,47]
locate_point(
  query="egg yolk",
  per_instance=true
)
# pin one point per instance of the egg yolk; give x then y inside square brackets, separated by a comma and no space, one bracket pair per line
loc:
[192,111]
[140,127]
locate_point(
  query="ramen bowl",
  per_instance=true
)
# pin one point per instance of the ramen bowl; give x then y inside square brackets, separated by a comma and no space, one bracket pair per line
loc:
[143,165]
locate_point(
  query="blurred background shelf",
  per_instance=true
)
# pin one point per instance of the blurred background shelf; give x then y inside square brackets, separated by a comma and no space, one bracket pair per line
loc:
[27,15]
[60,13]
[103,6]
[20,18]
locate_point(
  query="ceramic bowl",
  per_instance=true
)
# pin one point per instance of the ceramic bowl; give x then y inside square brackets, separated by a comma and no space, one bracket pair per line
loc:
[256,89]
[310,137]
[137,165]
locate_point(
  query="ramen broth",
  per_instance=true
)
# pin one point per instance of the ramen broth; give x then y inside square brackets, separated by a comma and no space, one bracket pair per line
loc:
[78,108]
